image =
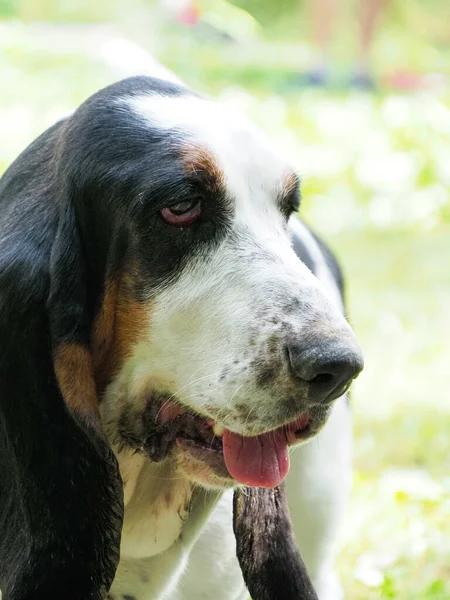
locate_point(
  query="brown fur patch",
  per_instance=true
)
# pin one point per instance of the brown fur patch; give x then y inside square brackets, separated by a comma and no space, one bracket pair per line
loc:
[200,162]
[289,185]
[75,375]
[117,328]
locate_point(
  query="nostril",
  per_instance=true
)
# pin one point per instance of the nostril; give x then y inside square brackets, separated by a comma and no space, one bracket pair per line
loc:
[322,379]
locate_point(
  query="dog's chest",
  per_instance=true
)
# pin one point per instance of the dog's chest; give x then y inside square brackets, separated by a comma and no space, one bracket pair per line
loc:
[157,503]
[204,570]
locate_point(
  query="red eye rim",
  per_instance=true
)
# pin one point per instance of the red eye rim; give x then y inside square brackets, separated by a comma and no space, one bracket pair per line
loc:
[181,219]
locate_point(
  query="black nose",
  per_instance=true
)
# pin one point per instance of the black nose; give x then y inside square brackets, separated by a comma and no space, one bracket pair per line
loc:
[329,368]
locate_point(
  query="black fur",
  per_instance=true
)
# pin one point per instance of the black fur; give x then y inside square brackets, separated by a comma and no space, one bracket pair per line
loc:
[302,251]
[60,495]
[333,265]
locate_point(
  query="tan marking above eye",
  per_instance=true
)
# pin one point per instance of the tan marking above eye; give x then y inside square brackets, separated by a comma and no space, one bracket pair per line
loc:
[290,183]
[199,160]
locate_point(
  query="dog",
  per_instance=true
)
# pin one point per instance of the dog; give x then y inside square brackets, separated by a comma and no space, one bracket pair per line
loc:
[170,329]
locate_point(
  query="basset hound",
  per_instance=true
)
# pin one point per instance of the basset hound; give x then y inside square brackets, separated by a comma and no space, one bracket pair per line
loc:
[169,331]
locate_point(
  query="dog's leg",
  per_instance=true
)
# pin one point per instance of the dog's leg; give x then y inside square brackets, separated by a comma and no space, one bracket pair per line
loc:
[318,487]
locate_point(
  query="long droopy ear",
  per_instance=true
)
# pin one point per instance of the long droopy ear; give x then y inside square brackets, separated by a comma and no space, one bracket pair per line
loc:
[266,549]
[71,306]
[61,505]
[70,315]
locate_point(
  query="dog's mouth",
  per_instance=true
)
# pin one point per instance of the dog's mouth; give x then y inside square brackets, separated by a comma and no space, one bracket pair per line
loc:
[261,460]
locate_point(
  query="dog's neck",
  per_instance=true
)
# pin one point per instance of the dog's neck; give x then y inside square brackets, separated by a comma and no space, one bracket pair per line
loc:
[157,504]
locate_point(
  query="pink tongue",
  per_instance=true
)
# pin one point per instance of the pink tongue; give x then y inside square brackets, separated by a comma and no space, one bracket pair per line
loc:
[261,461]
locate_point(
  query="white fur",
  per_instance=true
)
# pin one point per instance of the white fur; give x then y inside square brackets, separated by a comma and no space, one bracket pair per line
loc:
[226,305]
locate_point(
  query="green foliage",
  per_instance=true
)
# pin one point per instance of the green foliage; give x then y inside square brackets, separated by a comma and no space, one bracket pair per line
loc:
[388,588]
[266,12]
[7,8]
[65,10]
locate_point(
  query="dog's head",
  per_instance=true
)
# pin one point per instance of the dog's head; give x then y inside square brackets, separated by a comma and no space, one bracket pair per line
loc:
[208,334]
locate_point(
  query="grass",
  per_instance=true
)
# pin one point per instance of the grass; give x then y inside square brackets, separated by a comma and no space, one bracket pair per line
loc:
[376,181]
[397,532]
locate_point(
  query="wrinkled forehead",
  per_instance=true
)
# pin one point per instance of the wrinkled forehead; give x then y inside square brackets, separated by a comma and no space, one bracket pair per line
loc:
[249,165]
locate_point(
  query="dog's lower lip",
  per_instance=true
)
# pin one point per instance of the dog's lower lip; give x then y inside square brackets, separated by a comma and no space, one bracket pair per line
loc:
[211,454]
[214,446]
[303,431]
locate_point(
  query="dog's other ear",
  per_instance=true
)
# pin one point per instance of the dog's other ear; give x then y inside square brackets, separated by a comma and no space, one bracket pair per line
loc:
[61,505]
[265,545]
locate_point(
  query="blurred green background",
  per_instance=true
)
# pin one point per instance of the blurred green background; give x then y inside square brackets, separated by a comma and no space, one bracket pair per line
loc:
[376,178]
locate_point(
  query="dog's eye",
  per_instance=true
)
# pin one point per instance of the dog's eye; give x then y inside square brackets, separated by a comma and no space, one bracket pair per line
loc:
[182,213]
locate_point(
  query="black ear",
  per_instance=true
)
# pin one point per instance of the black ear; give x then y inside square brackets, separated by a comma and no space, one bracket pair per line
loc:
[266,549]
[61,502]
[70,308]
